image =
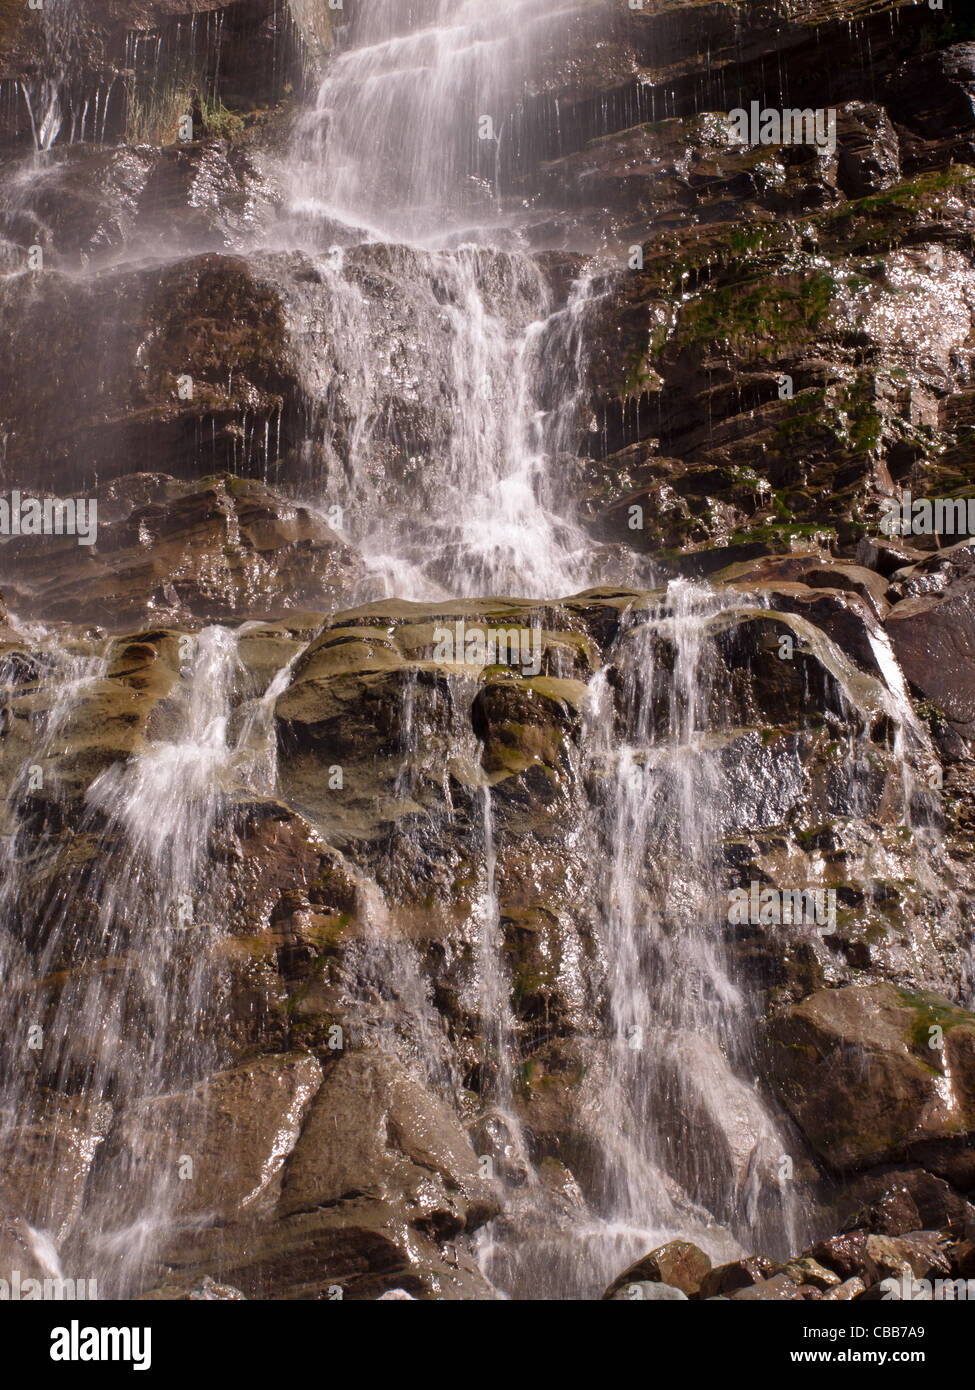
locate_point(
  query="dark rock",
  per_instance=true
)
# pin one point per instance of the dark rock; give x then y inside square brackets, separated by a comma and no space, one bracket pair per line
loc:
[739,1274]
[868,150]
[899,1200]
[934,638]
[845,1254]
[678,1263]
[854,1068]
[218,550]
[210,320]
[373,1130]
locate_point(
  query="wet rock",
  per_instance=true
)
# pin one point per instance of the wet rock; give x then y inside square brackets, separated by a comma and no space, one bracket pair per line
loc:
[728,1279]
[855,1070]
[218,550]
[843,1293]
[559,1107]
[844,1254]
[374,1130]
[678,1264]
[351,1252]
[640,1291]
[81,205]
[899,1200]
[935,94]
[219,1150]
[920,1255]
[868,150]
[47,1162]
[884,1290]
[809,1271]
[203,197]
[106,722]
[778,1288]
[934,638]
[261,54]
[194,377]
[954,1161]
[343,706]
[659,371]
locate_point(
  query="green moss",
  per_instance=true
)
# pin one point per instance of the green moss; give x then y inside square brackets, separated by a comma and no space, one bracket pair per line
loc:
[931,1011]
[773,531]
[220,122]
[773,312]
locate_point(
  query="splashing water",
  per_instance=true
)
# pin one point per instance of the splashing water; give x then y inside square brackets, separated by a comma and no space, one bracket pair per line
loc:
[142,916]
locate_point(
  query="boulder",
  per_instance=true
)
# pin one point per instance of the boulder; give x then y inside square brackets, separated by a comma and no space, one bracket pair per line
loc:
[856,1071]
[375,1131]
[641,1291]
[678,1264]
[738,1274]
[214,1153]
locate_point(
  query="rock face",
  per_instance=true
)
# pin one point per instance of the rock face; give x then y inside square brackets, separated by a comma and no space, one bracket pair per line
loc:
[373,1131]
[221,549]
[932,633]
[679,1265]
[205,322]
[228,1140]
[867,1072]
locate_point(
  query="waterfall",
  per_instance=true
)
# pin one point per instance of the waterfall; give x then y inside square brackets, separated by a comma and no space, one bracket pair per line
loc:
[135,1018]
[457,494]
[43,97]
[463,498]
[683,1027]
[414,115]
[442,361]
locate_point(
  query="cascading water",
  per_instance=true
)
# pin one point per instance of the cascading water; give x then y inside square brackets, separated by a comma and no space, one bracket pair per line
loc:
[681,1024]
[43,99]
[459,494]
[392,148]
[143,910]
[412,118]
